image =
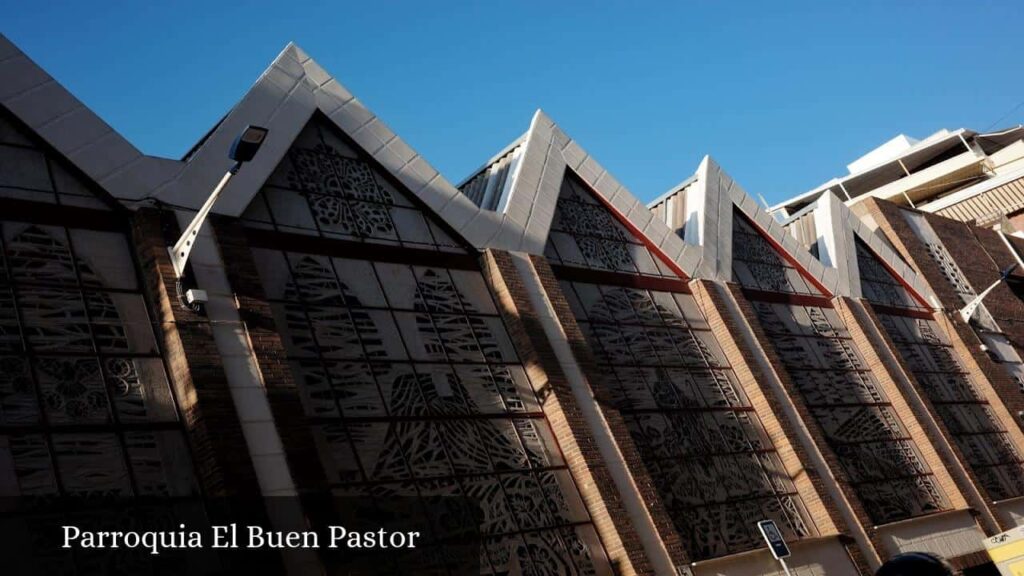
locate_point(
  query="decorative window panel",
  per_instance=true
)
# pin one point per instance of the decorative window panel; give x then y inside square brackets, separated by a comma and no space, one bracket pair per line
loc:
[758,266]
[927,352]
[85,405]
[948,267]
[878,285]
[406,372]
[325,186]
[585,234]
[706,450]
[714,466]
[76,356]
[881,461]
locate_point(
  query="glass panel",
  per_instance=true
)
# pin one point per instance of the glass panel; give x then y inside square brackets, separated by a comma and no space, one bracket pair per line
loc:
[843,396]
[91,464]
[694,428]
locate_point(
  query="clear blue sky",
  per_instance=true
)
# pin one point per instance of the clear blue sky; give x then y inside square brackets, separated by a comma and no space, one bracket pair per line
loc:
[782,95]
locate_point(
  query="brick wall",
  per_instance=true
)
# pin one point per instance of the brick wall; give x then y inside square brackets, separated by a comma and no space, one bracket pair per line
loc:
[595,482]
[894,226]
[617,426]
[980,254]
[1002,391]
[893,379]
[808,420]
[741,355]
[887,372]
[951,455]
[196,371]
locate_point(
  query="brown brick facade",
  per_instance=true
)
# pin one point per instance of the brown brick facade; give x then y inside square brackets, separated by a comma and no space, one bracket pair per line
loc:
[742,357]
[895,228]
[951,454]
[808,420]
[278,382]
[1003,391]
[617,426]
[889,375]
[980,254]
[195,367]
[597,488]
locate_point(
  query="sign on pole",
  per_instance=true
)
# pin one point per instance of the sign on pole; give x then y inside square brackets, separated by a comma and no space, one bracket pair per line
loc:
[774,538]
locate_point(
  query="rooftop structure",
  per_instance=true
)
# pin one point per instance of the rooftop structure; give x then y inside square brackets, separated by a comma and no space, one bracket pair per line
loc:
[961,174]
[621,390]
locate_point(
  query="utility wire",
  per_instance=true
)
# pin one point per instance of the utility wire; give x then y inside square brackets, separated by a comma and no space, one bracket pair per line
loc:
[1004,116]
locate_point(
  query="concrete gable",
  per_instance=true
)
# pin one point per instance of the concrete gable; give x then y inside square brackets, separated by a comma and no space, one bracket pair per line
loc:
[533,194]
[837,227]
[714,197]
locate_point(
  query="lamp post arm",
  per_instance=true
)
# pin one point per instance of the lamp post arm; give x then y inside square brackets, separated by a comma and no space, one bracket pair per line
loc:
[183,247]
[967,311]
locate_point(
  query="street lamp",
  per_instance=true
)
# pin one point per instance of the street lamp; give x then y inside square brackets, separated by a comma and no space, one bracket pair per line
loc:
[243,149]
[967,311]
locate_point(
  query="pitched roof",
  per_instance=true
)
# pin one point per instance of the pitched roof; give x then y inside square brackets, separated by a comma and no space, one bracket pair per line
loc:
[711,198]
[529,194]
[75,131]
[283,99]
[518,188]
[836,228]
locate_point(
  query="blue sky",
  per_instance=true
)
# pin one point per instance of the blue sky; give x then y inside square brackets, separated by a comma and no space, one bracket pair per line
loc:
[783,95]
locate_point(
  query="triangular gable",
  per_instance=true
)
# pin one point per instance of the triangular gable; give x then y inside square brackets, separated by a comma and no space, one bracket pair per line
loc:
[585,233]
[839,233]
[527,190]
[760,264]
[74,131]
[879,284]
[713,201]
[33,172]
[326,185]
[283,100]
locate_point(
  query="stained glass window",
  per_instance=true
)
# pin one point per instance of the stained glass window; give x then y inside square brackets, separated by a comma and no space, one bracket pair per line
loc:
[407,374]
[881,461]
[927,352]
[715,468]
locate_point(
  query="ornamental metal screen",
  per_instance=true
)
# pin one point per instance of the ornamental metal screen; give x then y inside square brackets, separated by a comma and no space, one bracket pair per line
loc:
[85,405]
[407,375]
[585,234]
[323,187]
[927,352]
[714,467]
[882,462]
